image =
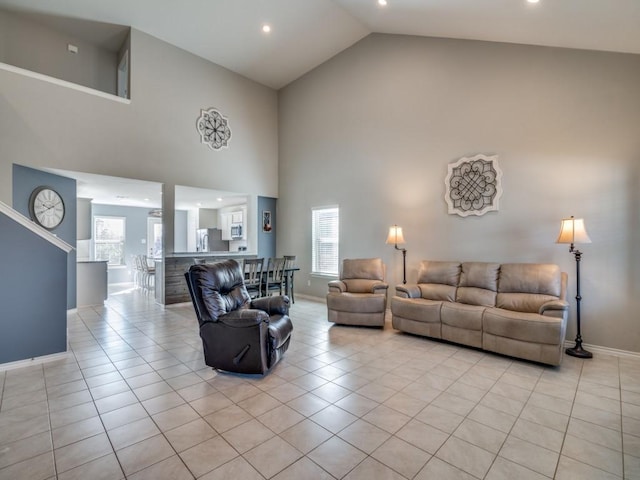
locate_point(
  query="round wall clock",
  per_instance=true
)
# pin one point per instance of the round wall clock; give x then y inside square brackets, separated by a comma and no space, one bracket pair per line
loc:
[46,207]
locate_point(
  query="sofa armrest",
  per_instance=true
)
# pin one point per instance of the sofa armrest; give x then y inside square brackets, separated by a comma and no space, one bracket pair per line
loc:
[408,291]
[380,287]
[243,318]
[337,286]
[273,305]
[554,308]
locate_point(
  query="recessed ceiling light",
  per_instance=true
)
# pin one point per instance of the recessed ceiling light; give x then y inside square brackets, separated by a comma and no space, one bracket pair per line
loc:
[266,28]
[382,3]
[219,199]
[533,1]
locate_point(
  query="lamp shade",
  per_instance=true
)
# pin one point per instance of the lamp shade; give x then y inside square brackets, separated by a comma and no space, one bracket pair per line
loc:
[572,231]
[395,235]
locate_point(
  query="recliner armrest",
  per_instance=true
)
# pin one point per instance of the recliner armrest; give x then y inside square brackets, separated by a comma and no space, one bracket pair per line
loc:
[408,291]
[380,287]
[280,328]
[337,286]
[554,305]
[244,317]
[273,305]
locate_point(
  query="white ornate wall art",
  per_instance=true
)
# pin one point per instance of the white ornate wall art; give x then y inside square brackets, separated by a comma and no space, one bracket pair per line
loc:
[473,185]
[214,129]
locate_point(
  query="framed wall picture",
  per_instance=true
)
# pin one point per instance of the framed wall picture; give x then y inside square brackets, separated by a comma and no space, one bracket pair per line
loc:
[266,221]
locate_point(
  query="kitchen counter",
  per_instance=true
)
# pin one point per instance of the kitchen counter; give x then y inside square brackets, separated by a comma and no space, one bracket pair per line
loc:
[91,282]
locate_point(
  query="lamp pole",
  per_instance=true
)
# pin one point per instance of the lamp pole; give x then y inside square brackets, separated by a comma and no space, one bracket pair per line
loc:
[404,263]
[577,350]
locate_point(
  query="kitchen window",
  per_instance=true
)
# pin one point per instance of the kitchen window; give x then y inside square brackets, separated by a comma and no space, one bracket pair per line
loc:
[109,238]
[325,237]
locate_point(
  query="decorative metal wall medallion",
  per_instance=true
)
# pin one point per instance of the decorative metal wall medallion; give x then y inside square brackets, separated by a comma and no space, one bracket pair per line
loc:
[214,129]
[473,185]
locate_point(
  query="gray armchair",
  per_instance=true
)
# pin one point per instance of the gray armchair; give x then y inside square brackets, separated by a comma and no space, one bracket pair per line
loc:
[360,296]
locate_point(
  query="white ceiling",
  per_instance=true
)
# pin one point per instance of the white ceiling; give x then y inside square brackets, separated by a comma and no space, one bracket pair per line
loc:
[308,32]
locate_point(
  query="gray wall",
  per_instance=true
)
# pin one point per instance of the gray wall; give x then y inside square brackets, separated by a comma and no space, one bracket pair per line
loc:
[33,46]
[373,129]
[33,294]
[267,240]
[25,180]
[154,137]
[135,233]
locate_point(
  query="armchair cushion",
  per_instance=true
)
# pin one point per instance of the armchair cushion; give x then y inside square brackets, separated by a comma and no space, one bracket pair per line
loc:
[362,268]
[360,285]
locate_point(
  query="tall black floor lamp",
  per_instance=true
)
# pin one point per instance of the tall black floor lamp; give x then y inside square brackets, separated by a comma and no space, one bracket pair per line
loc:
[395,237]
[572,231]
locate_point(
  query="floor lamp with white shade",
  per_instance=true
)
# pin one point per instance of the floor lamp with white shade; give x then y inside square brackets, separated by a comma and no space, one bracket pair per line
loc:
[572,231]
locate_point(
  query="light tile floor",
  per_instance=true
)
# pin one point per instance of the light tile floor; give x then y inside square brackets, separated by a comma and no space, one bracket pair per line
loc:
[135,400]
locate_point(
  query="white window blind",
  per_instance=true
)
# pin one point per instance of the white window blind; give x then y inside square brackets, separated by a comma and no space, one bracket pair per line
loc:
[325,237]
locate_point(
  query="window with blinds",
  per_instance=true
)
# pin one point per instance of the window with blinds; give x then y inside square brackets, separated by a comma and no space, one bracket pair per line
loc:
[325,237]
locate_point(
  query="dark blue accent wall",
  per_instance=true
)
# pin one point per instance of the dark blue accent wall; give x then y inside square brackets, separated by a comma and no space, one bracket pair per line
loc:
[267,240]
[25,180]
[33,294]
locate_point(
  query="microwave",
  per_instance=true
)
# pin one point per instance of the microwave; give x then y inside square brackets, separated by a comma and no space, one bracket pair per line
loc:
[236,230]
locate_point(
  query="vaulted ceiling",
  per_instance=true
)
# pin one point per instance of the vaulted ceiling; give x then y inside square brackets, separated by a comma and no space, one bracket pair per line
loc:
[305,33]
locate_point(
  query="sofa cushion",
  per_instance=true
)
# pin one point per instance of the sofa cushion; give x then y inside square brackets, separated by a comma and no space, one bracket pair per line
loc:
[478,283]
[439,280]
[418,309]
[462,316]
[522,302]
[525,287]
[528,327]
[445,273]
[540,278]
[437,292]
[476,296]
[480,275]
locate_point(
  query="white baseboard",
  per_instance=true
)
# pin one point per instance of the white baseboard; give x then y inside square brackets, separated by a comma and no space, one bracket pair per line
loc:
[603,350]
[33,361]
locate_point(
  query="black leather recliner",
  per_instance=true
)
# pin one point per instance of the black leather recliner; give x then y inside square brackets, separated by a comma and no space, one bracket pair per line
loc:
[238,334]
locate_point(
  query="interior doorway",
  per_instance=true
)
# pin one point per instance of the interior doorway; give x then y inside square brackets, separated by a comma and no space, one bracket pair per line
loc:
[154,237]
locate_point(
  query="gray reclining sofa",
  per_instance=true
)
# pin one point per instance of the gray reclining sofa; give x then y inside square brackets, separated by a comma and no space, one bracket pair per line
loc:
[516,309]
